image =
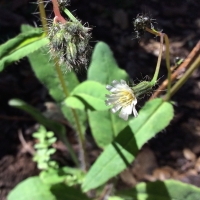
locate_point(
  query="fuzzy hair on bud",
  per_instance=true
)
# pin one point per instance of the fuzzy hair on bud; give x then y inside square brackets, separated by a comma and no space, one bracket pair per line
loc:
[69,42]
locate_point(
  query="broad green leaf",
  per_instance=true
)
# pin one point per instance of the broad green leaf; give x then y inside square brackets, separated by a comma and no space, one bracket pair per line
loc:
[34,189]
[103,67]
[45,71]
[153,117]
[105,126]
[166,190]
[20,46]
[92,93]
[74,102]
[59,129]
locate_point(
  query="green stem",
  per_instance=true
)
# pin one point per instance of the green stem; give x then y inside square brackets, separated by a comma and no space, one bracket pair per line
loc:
[65,90]
[153,31]
[184,78]
[69,14]
[155,77]
[168,66]
[43,16]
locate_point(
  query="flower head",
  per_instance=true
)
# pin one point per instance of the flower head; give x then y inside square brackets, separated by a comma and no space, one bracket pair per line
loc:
[69,42]
[121,97]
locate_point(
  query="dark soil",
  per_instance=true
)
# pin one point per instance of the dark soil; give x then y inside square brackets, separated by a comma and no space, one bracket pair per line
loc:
[173,153]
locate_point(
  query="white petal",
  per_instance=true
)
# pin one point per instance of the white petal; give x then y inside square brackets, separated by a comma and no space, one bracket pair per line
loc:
[124,116]
[135,111]
[125,111]
[107,102]
[109,87]
[115,108]
[115,82]
[123,82]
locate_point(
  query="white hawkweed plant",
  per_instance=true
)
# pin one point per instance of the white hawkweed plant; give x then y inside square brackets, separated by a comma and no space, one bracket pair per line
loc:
[125,98]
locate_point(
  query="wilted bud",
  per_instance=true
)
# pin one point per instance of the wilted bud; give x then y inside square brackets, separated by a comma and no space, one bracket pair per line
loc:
[69,42]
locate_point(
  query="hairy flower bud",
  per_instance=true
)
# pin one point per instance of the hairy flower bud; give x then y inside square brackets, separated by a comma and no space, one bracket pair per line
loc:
[69,42]
[142,88]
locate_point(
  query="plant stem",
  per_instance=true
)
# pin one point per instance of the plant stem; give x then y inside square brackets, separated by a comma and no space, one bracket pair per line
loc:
[58,16]
[183,67]
[167,58]
[65,90]
[155,77]
[168,66]
[69,14]
[43,16]
[184,78]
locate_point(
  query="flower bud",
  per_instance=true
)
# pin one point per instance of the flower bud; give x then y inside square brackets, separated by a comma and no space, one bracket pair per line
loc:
[69,42]
[142,88]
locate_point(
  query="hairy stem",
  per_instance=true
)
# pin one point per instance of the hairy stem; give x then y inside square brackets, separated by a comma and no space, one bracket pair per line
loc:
[69,14]
[43,16]
[65,90]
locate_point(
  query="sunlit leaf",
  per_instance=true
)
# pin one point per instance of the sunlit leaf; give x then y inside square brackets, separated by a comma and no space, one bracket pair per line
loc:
[166,190]
[22,45]
[34,189]
[103,67]
[92,93]
[105,126]
[153,117]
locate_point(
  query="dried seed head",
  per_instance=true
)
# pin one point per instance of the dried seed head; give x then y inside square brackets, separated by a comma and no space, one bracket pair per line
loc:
[69,42]
[141,23]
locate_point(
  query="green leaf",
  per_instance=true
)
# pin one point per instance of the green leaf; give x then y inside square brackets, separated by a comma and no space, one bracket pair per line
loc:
[103,67]
[105,126]
[54,126]
[20,46]
[34,189]
[92,93]
[153,117]
[166,190]
[63,192]
[45,71]
[74,102]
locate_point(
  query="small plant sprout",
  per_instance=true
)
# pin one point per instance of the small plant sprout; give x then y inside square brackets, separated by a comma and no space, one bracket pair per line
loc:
[44,150]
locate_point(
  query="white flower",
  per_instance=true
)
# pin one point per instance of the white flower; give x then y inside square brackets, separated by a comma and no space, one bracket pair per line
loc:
[121,97]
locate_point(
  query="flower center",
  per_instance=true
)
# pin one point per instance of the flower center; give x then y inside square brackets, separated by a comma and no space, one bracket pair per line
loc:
[126,98]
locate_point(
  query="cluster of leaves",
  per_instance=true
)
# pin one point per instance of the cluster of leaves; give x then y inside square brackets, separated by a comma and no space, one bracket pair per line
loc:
[120,140]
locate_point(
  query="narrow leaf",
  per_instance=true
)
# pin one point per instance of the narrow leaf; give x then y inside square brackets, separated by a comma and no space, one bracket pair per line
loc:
[59,129]
[153,117]
[166,190]
[105,126]
[20,46]
[103,67]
